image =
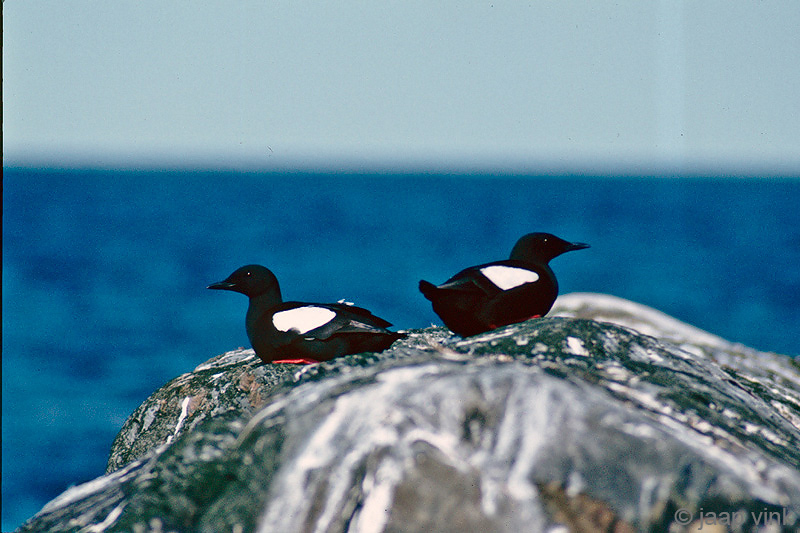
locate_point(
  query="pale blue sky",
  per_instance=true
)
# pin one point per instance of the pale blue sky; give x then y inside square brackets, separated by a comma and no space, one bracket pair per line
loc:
[503,85]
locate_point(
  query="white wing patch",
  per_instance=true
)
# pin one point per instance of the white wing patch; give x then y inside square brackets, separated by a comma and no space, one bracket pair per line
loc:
[506,277]
[302,319]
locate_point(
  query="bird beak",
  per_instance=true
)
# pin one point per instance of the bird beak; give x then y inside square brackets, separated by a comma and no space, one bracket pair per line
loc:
[222,286]
[577,246]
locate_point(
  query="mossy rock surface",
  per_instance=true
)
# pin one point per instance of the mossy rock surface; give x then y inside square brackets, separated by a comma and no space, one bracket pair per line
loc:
[578,420]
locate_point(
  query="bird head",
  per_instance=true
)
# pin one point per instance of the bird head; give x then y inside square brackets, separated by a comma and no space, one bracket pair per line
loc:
[250,280]
[542,247]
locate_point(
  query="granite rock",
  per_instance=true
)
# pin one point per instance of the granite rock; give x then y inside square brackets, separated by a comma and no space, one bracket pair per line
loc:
[604,416]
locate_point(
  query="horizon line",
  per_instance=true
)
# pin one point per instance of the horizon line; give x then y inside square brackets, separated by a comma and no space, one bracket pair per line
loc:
[413,166]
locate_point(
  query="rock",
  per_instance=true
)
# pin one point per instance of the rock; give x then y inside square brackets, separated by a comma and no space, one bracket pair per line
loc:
[232,383]
[562,421]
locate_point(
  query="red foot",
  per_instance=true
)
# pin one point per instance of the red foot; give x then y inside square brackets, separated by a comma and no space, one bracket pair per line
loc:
[536,316]
[301,361]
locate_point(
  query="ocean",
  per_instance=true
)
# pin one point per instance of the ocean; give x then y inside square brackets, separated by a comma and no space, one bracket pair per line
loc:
[104,274]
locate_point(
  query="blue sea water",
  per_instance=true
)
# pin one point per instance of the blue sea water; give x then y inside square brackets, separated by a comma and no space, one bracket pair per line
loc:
[104,274]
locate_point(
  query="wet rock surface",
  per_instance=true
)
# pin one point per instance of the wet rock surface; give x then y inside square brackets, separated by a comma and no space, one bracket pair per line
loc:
[569,421]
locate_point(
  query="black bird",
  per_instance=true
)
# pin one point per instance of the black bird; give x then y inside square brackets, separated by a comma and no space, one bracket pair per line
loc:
[303,333]
[488,296]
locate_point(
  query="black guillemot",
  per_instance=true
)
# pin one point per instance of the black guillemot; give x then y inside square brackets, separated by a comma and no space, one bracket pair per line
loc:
[303,333]
[485,297]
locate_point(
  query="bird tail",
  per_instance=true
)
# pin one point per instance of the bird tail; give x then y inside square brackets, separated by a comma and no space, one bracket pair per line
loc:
[427,289]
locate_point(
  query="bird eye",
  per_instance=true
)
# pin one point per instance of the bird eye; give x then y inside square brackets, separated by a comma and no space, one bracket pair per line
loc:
[249,274]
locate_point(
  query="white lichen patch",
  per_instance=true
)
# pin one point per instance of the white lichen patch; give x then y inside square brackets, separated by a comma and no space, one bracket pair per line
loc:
[150,415]
[540,347]
[182,418]
[577,347]
[616,372]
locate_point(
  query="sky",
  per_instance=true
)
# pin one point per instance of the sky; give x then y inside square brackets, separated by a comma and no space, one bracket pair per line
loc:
[624,86]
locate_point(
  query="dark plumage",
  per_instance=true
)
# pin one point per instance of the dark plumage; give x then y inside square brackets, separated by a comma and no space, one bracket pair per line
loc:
[488,296]
[297,332]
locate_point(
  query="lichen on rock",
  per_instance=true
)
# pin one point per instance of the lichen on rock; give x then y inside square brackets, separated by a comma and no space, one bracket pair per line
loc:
[571,420]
